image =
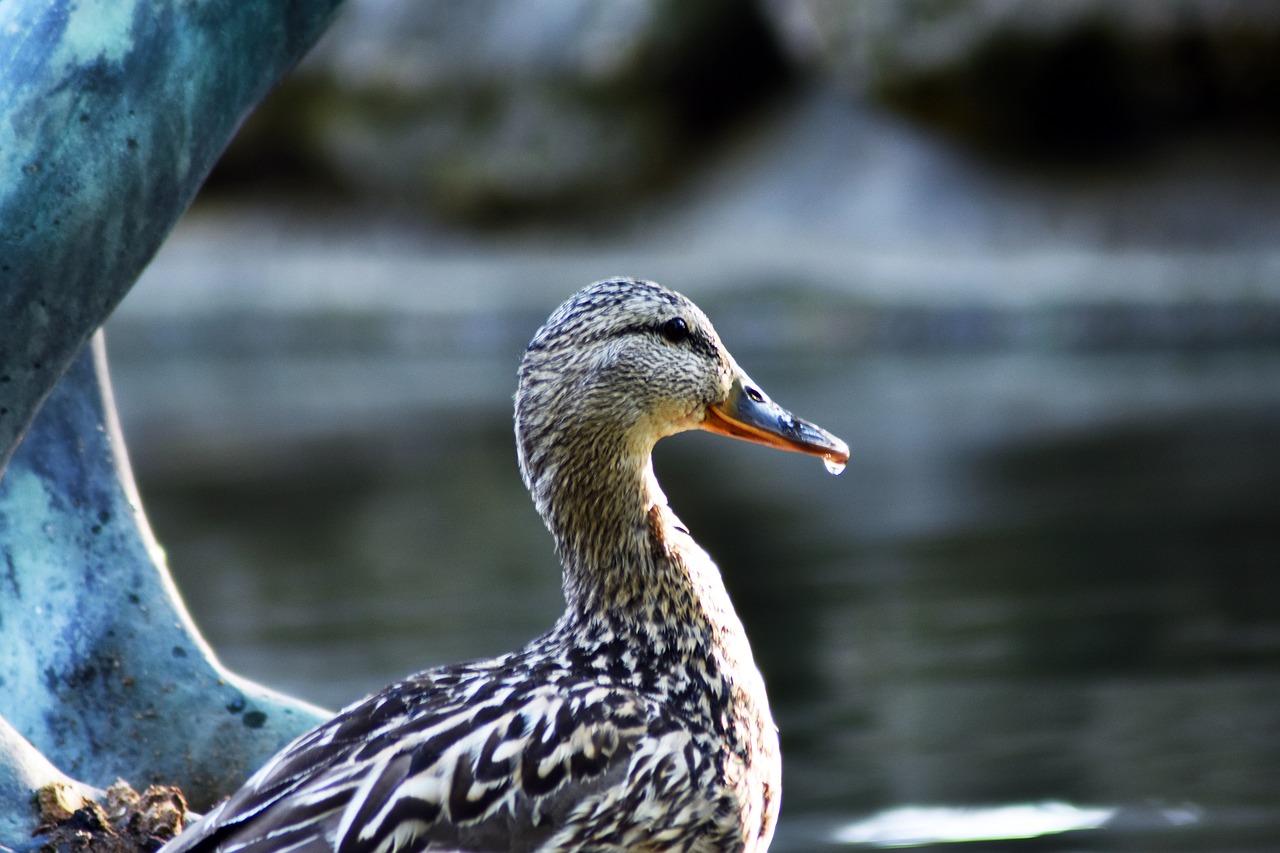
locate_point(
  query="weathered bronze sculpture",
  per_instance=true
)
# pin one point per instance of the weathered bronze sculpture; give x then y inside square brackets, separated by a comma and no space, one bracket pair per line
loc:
[112,112]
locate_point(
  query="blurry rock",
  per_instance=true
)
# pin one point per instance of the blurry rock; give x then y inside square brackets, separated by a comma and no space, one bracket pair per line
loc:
[1083,76]
[56,802]
[484,108]
[129,822]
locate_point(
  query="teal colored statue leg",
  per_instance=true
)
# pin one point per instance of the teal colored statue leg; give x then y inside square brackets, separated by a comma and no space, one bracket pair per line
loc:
[112,112]
[100,666]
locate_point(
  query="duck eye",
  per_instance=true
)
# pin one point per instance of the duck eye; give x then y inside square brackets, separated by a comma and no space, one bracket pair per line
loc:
[675,330]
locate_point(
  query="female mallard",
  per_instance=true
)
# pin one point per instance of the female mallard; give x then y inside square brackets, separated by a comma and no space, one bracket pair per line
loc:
[638,722]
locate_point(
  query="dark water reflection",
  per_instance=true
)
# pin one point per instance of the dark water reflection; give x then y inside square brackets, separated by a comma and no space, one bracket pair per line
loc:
[1043,577]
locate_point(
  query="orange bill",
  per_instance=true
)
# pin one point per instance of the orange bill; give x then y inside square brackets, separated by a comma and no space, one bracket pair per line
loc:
[749,414]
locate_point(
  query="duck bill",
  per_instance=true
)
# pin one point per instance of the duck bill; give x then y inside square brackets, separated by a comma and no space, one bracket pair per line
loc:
[749,414]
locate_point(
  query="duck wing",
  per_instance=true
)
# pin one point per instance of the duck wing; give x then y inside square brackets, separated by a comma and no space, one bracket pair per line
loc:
[432,763]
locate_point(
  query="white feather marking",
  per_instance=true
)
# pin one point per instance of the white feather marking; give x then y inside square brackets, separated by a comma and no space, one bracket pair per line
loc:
[508,749]
[402,836]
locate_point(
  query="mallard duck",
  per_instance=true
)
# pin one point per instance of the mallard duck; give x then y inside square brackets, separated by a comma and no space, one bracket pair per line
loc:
[639,721]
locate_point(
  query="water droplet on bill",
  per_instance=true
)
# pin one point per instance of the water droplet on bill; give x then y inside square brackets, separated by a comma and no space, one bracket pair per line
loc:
[833,466]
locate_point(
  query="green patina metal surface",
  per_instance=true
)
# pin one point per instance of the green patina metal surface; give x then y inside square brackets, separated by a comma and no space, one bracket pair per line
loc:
[101,668]
[111,114]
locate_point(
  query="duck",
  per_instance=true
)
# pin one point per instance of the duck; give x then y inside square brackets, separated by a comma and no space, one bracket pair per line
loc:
[639,721]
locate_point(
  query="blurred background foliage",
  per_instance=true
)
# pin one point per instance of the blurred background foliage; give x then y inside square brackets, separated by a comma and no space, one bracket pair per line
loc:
[1022,254]
[486,112]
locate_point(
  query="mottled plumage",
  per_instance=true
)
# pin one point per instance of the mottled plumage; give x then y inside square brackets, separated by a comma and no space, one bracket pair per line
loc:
[639,721]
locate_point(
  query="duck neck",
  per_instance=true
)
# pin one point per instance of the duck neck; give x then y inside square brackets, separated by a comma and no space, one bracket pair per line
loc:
[636,582]
[628,562]
[648,606]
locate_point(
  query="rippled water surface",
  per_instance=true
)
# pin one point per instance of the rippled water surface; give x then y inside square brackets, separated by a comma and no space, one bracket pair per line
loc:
[1046,581]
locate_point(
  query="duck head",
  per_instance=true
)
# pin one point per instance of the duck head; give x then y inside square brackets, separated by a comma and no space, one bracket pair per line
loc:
[625,362]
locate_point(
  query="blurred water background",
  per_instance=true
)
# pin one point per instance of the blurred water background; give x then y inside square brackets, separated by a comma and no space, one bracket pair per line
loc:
[1023,256]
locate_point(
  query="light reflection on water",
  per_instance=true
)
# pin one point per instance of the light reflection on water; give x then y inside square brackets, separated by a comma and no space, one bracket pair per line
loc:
[913,826]
[1043,577]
